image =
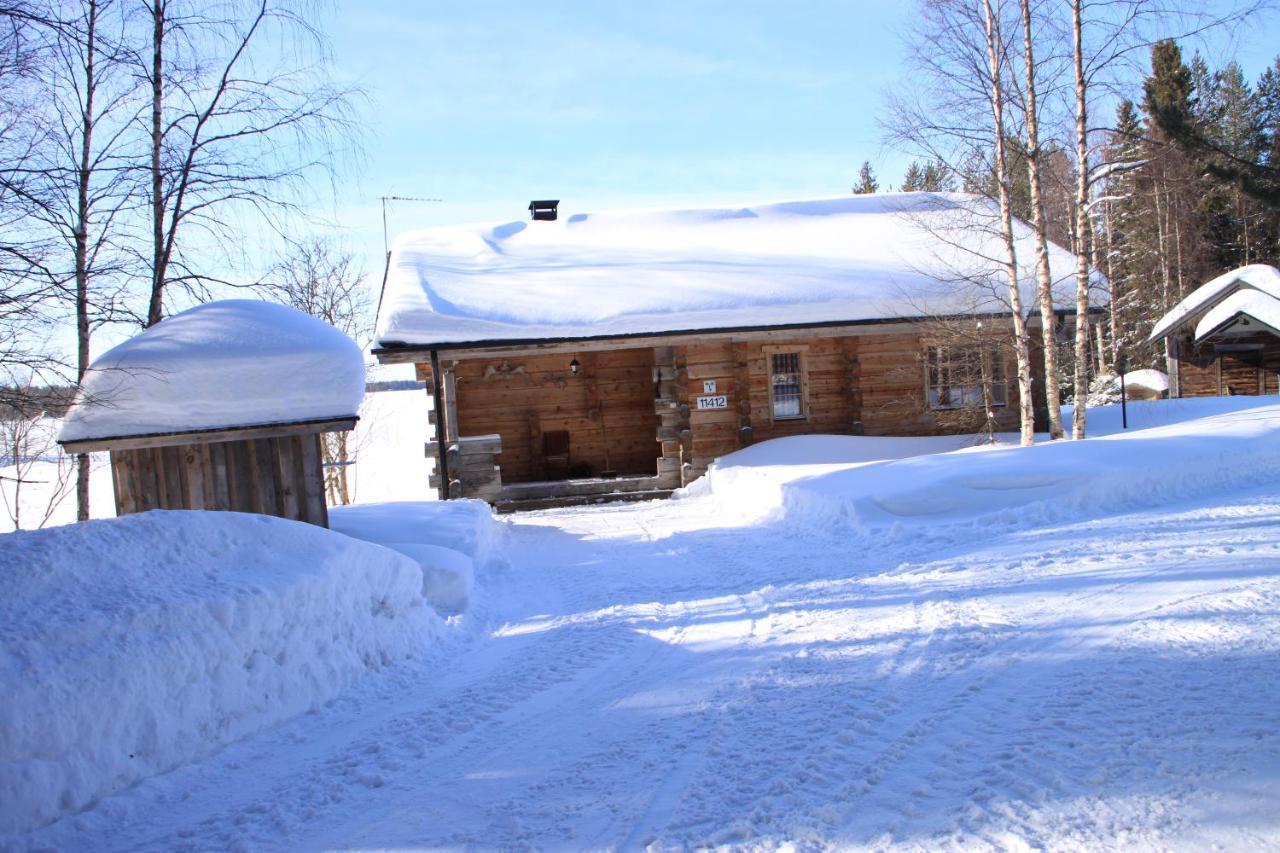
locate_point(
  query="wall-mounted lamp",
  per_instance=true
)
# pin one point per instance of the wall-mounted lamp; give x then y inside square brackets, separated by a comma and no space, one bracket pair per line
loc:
[574,367]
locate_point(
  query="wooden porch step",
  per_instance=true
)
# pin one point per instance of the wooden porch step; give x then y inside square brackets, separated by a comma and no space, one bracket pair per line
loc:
[579,488]
[529,504]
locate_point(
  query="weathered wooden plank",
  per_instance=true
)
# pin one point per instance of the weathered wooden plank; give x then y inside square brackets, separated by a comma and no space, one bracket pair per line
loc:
[170,471]
[311,472]
[262,460]
[124,481]
[194,475]
[220,474]
[288,477]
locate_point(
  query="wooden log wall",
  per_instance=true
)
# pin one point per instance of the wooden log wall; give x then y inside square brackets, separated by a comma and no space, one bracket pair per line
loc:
[1205,372]
[473,467]
[872,384]
[893,382]
[280,476]
[673,417]
[607,408]
[641,404]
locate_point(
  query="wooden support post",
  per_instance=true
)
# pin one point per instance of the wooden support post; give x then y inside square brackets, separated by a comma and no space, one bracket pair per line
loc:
[442,464]
[450,403]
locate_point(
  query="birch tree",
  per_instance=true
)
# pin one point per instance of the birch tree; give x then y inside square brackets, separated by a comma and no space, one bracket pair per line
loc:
[77,183]
[996,61]
[1032,76]
[242,117]
[954,114]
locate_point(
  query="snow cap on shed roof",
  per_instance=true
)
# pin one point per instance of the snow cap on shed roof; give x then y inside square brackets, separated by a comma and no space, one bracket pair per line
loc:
[1259,277]
[220,365]
[635,272]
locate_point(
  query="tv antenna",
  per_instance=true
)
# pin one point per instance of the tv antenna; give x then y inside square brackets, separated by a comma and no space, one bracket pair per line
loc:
[386,247]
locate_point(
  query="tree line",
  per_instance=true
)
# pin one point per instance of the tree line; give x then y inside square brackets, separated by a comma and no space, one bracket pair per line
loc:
[144,146]
[1013,100]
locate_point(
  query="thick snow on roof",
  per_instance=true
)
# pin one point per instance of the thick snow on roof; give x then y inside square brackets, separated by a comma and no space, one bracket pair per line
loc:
[650,271]
[1155,380]
[1261,306]
[1255,276]
[221,364]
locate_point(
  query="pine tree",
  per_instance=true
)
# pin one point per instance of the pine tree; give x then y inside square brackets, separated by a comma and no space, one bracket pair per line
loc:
[1167,92]
[937,177]
[913,181]
[867,183]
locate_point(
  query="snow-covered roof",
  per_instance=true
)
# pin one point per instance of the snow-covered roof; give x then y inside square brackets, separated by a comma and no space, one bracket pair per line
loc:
[1259,305]
[219,365]
[628,272]
[1259,277]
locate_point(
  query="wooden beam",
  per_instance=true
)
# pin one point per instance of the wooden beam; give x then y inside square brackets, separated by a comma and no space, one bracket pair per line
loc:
[469,445]
[437,397]
[176,439]
[414,355]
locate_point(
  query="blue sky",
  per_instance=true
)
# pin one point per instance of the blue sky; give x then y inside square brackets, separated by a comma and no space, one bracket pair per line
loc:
[488,104]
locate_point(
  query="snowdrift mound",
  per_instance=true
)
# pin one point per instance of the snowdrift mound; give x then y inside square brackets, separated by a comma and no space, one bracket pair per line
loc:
[1014,487]
[231,363]
[449,540]
[134,645]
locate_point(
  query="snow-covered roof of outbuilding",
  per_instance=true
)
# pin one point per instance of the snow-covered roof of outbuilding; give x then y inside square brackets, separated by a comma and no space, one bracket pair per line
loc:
[1238,308]
[220,365]
[1257,277]
[636,272]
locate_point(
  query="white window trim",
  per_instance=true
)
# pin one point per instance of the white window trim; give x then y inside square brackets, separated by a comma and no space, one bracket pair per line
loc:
[801,352]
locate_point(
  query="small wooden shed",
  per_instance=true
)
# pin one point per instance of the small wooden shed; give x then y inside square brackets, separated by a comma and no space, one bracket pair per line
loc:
[1224,337]
[274,469]
[221,408]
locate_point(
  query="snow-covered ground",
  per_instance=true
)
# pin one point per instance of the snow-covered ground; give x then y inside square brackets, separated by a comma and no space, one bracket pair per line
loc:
[1075,646]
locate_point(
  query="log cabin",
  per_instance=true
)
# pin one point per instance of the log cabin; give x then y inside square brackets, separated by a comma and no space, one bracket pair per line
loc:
[1224,337]
[620,353]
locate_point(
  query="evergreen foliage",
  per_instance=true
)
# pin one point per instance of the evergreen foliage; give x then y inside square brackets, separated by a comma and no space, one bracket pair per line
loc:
[867,183]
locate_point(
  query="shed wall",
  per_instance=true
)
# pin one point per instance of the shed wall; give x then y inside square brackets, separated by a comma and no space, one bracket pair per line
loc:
[1205,372]
[280,476]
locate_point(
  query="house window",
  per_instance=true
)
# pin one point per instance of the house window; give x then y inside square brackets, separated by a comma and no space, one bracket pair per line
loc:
[786,383]
[954,376]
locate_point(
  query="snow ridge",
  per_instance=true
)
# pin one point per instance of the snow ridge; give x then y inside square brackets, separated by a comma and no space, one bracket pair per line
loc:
[134,645]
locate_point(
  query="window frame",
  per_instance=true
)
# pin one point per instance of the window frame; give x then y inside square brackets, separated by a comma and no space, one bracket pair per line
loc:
[933,362]
[801,351]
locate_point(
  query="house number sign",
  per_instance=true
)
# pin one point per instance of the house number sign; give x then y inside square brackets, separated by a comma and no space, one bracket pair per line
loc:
[715,401]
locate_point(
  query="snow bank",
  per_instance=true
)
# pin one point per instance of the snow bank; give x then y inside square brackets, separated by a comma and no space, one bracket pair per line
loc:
[1015,487]
[130,646]
[1259,277]
[645,271]
[1145,414]
[230,363]
[448,540]
[755,478]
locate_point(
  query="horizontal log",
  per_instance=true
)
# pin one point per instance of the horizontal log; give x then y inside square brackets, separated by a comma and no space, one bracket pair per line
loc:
[471,445]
